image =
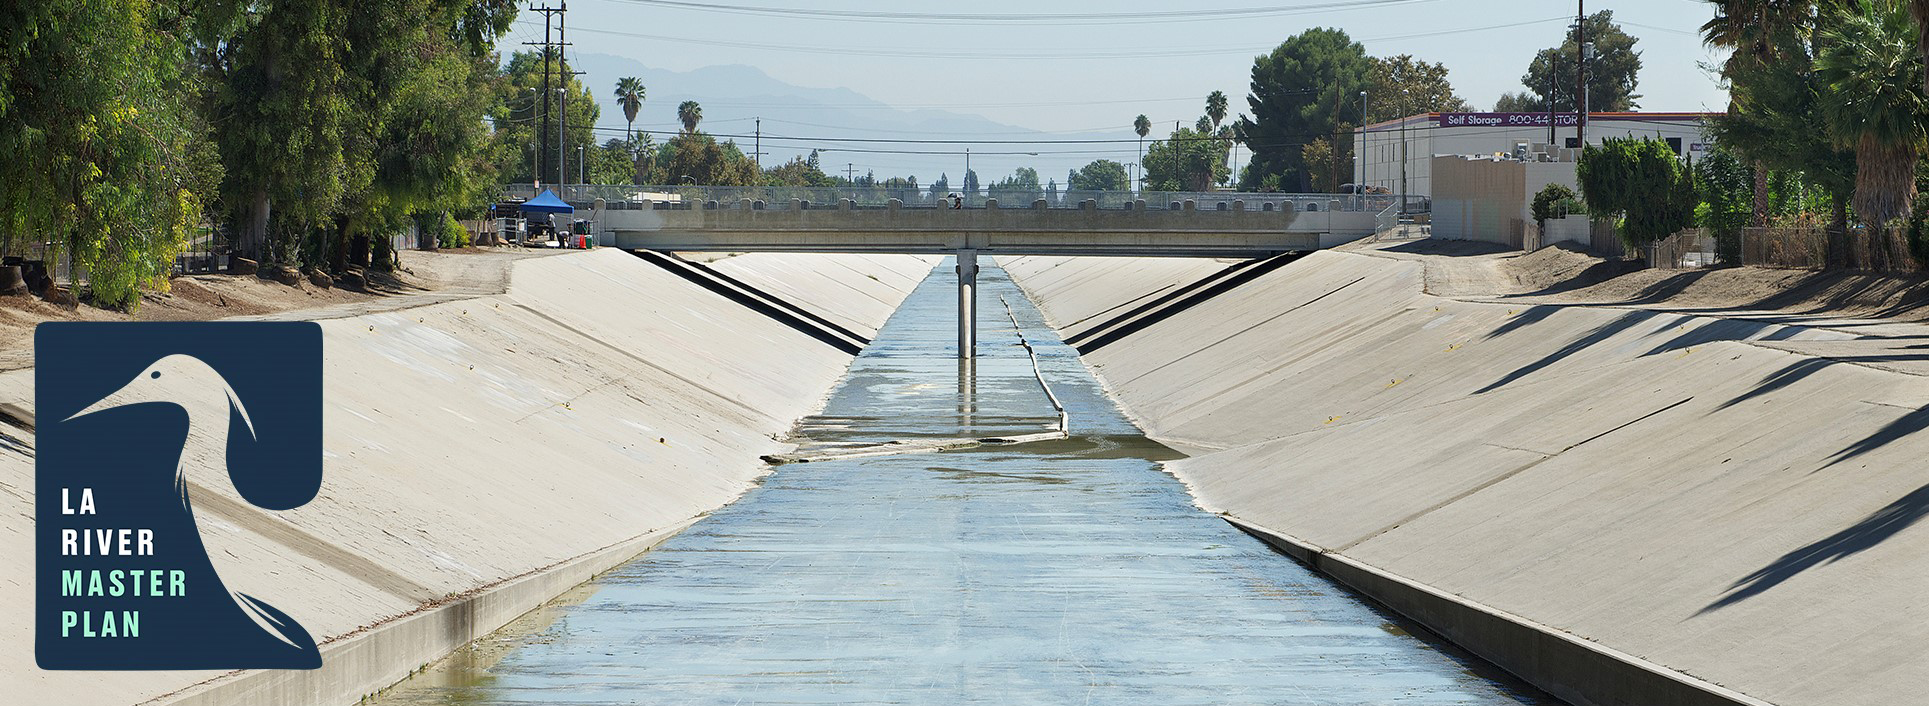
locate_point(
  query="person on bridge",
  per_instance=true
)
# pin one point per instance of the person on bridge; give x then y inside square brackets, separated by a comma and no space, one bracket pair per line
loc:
[957,201]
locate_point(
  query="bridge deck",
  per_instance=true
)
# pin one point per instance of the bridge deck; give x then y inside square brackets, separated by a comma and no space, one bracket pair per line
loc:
[998,231]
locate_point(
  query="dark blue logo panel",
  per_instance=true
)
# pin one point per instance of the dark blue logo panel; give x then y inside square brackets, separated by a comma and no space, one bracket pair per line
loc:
[157,443]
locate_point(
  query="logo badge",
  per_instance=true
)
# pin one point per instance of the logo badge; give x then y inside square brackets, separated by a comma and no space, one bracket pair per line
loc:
[163,452]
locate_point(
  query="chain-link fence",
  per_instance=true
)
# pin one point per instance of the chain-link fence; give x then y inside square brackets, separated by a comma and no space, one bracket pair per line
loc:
[1689,249]
[1802,248]
[868,197]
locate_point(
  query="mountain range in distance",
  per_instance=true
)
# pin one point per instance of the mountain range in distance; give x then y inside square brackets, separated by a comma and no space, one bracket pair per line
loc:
[733,97]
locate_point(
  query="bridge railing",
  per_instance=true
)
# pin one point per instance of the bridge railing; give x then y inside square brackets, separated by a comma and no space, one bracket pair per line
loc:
[867,197]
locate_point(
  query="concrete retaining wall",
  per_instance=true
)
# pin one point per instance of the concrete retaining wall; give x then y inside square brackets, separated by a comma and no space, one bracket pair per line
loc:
[486,454]
[1623,506]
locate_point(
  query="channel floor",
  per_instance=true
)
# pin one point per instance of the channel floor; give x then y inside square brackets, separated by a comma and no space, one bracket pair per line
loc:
[1071,571]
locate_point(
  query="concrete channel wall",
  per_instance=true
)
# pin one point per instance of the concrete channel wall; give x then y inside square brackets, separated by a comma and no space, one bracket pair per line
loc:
[1622,506]
[486,454]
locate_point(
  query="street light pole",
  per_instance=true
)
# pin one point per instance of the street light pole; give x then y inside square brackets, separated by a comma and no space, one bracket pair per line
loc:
[1405,106]
[1366,141]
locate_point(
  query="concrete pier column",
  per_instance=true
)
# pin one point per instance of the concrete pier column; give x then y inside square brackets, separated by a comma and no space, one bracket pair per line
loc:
[967,303]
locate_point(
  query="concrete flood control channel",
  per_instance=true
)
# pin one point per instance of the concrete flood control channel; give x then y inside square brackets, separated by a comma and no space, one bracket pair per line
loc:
[1062,571]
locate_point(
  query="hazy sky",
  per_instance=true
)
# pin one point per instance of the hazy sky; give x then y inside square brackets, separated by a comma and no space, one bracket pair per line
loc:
[1090,79]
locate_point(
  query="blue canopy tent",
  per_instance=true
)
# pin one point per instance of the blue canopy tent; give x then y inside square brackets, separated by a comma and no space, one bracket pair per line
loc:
[546,202]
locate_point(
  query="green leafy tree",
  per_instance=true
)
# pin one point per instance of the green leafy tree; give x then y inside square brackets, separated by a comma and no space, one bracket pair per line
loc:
[614,162]
[1550,202]
[1021,186]
[106,153]
[282,99]
[1402,85]
[1612,75]
[1186,161]
[697,158]
[1306,88]
[518,118]
[971,182]
[629,95]
[1725,187]
[1641,180]
[798,171]
[1100,175]
[1322,164]
[424,139]
[1519,102]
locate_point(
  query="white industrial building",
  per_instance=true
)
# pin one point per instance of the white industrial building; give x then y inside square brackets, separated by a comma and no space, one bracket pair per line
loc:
[1379,148]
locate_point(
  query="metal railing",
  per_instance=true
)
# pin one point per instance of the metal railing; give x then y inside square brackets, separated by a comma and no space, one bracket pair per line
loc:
[863,197]
[207,250]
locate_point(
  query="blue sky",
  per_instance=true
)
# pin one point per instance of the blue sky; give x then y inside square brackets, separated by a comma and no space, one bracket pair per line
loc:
[1085,80]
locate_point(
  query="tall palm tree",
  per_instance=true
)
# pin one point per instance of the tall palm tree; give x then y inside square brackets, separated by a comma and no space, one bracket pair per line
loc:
[1143,127]
[1756,30]
[689,113]
[629,94]
[1216,108]
[1238,136]
[1871,67]
[1920,9]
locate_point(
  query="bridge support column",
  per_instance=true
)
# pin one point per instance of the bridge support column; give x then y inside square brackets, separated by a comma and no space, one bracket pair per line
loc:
[967,304]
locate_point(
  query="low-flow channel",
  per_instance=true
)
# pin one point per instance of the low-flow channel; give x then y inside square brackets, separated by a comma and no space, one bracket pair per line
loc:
[1071,571]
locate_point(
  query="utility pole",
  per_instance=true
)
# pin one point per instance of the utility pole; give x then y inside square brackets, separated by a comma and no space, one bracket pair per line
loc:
[850,173]
[562,108]
[1580,72]
[1366,145]
[1551,77]
[758,157]
[542,155]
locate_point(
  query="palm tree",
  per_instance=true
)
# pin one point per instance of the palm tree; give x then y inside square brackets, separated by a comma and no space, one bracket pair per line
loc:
[1216,108]
[1238,136]
[1871,67]
[629,94]
[1920,9]
[689,113]
[1755,30]
[1142,126]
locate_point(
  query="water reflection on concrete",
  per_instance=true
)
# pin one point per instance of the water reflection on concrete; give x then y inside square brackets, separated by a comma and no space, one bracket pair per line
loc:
[1071,571]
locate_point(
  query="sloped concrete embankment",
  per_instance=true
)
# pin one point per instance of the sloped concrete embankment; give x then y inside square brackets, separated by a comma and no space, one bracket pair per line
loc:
[1622,506]
[484,455]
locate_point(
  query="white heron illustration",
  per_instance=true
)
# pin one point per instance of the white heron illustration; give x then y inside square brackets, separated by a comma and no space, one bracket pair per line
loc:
[198,389]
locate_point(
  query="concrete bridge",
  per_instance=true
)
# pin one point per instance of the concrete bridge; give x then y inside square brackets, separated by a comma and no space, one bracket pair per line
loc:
[1186,231]
[1182,229]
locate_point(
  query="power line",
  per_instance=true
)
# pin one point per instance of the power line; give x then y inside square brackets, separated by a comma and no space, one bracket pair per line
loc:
[1082,18]
[1073,55]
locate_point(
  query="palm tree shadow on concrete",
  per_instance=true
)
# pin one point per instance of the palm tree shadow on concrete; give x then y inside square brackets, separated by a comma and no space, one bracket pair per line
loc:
[1872,530]
[1890,433]
[1606,331]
